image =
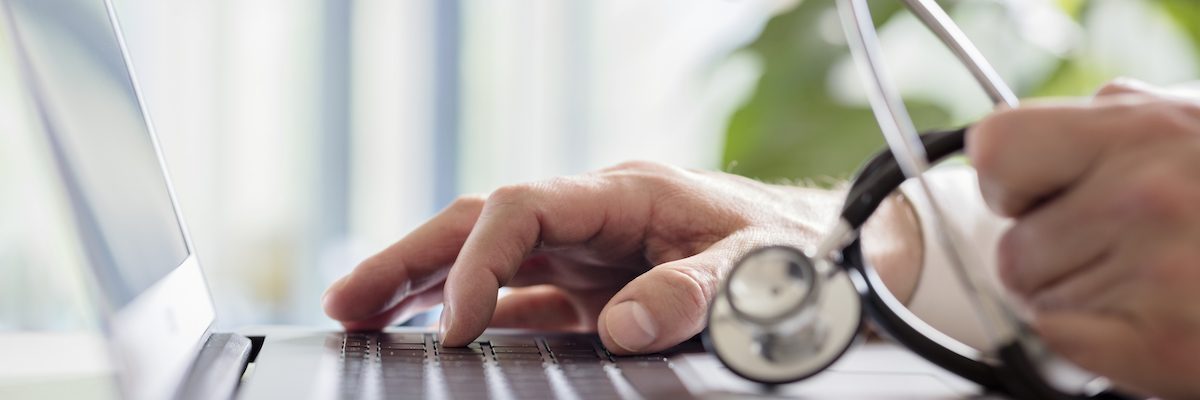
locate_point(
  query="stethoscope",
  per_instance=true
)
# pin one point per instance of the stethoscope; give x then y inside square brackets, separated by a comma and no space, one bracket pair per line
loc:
[783,315]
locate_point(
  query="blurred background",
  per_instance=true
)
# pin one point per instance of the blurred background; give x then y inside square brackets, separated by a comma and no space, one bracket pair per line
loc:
[304,135]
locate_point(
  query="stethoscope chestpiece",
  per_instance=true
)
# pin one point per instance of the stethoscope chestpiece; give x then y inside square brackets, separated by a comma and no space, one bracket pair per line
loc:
[782,316]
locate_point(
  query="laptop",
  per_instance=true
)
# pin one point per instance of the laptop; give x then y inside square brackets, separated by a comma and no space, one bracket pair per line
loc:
[157,309]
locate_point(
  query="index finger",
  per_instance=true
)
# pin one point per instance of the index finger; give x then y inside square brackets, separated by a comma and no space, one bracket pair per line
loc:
[411,265]
[1029,154]
[514,221]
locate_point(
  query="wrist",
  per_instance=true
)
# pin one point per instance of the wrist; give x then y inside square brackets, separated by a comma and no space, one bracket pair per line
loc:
[892,242]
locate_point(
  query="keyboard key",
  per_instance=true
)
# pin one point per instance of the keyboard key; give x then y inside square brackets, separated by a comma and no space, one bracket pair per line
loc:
[410,338]
[568,341]
[402,346]
[529,350]
[476,358]
[524,373]
[573,350]
[642,364]
[645,357]
[402,373]
[502,341]
[402,353]
[518,356]
[576,357]
[517,363]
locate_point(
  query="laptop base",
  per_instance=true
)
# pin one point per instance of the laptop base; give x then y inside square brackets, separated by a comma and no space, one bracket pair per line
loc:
[218,369]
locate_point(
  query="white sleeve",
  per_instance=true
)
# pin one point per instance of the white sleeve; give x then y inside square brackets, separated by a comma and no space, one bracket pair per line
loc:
[939,298]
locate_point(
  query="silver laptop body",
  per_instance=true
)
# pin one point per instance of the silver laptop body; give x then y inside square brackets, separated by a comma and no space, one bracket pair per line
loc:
[158,311]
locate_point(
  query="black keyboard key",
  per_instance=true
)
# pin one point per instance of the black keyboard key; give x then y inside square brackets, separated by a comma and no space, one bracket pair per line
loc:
[475,358]
[527,349]
[504,363]
[568,341]
[503,341]
[410,338]
[518,356]
[402,353]
[402,346]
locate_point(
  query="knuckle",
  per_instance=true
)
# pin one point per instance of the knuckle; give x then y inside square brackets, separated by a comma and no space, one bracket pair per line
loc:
[1008,265]
[1171,267]
[1118,86]
[662,184]
[995,195]
[990,138]
[1157,195]
[648,172]
[560,187]
[1003,200]
[1009,205]
[1167,120]
[1189,108]
[637,165]
[511,194]
[641,175]
[989,146]
[370,263]
[467,203]
[690,289]
[381,262]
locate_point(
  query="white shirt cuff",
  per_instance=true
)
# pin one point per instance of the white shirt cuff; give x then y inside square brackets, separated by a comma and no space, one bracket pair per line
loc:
[939,298]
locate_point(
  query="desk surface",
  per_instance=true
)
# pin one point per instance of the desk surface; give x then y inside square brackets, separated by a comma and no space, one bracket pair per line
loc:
[55,366]
[869,371]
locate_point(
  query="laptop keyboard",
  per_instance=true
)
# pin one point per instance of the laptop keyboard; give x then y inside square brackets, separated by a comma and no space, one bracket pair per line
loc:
[416,366]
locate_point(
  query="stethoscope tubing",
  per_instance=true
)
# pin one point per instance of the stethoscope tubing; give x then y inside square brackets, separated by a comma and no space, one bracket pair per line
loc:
[1012,372]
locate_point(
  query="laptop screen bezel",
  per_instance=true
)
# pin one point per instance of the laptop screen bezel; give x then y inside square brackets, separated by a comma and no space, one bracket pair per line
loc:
[154,337]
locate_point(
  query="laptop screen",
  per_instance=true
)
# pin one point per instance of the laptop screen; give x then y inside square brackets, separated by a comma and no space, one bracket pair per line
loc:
[102,142]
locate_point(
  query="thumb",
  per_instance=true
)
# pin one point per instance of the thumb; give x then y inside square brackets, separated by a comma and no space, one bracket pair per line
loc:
[664,306]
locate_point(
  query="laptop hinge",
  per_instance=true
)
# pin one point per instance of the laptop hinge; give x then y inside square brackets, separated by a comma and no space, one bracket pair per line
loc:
[218,370]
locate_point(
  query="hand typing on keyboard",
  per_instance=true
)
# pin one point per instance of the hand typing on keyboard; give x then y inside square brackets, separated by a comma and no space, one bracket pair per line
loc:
[634,252]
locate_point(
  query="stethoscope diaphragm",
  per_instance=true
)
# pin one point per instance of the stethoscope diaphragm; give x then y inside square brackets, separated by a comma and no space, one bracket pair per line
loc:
[779,319]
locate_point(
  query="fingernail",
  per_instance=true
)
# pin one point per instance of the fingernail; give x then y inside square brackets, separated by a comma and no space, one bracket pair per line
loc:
[630,326]
[444,322]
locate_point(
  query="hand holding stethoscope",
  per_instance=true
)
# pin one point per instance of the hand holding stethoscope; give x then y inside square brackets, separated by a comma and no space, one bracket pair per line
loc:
[783,315]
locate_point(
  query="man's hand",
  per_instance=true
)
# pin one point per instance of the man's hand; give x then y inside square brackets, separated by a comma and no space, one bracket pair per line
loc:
[635,252]
[1106,242]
